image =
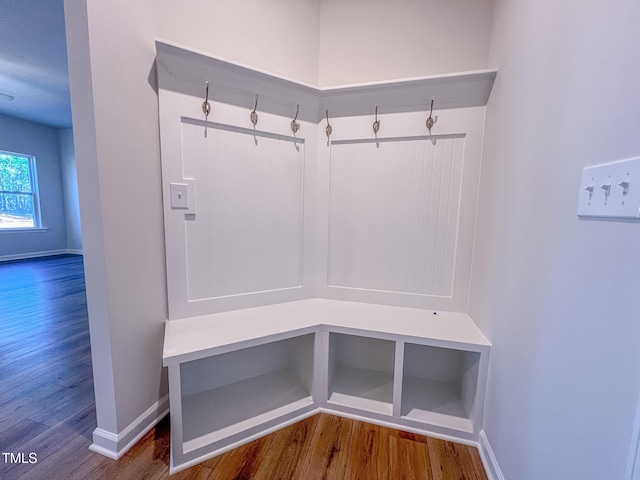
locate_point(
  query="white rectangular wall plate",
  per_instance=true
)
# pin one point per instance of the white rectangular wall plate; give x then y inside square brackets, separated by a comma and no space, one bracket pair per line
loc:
[611,190]
[179,195]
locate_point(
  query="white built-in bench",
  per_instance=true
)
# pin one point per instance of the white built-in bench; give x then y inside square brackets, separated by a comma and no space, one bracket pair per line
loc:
[239,375]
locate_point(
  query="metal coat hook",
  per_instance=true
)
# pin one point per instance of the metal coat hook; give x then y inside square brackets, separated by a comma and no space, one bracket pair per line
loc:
[376,124]
[254,115]
[295,126]
[328,130]
[206,106]
[431,121]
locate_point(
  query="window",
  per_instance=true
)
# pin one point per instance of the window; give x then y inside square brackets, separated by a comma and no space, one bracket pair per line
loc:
[19,204]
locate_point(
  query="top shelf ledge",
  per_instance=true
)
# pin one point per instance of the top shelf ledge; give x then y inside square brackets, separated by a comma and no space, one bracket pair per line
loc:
[186,70]
[192,338]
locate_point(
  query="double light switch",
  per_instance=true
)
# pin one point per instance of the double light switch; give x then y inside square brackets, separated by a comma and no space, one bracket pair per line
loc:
[611,190]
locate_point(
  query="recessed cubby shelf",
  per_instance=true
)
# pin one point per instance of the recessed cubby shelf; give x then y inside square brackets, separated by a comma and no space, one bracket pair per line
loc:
[225,394]
[361,372]
[439,385]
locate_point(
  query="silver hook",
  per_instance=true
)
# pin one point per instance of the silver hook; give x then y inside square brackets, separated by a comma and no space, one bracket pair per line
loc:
[431,121]
[295,126]
[376,124]
[328,130]
[254,115]
[206,106]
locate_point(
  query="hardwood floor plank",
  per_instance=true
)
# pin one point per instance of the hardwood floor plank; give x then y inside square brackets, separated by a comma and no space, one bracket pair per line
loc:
[329,451]
[369,451]
[15,437]
[469,460]
[450,460]
[239,463]
[286,451]
[409,457]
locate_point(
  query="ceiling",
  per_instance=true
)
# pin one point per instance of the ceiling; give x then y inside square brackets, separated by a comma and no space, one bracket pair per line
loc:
[33,62]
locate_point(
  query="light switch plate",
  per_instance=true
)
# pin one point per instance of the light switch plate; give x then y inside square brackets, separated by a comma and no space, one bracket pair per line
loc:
[180,196]
[611,190]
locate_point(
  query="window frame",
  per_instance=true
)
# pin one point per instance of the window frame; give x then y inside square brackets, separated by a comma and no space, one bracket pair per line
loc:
[34,193]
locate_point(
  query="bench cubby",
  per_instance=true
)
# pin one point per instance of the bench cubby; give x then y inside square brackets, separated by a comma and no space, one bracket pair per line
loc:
[361,372]
[236,376]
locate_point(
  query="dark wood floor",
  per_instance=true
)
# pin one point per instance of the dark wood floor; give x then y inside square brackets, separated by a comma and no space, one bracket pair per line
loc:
[47,408]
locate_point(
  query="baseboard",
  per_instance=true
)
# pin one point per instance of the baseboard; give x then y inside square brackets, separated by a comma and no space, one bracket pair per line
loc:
[47,253]
[489,459]
[114,445]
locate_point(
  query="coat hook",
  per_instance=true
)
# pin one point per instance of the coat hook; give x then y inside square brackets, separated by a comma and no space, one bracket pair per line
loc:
[254,115]
[206,106]
[295,126]
[376,124]
[328,130]
[431,121]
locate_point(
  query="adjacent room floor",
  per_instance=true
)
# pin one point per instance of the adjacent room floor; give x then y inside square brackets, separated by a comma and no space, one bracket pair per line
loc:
[47,408]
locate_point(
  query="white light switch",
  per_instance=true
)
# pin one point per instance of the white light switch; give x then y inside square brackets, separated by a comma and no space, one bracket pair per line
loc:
[611,190]
[179,195]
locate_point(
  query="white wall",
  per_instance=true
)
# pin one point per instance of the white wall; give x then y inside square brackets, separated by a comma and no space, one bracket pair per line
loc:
[115,116]
[365,41]
[278,36]
[558,296]
[70,183]
[22,136]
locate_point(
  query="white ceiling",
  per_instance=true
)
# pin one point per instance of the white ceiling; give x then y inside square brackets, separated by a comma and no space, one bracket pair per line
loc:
[33,62]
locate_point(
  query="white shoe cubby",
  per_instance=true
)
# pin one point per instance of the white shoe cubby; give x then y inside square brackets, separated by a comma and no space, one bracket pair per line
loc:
[224,396]
[439,385]
[361,372]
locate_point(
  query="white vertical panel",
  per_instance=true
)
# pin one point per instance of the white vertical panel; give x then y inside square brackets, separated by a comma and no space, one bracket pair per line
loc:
[393,219]
[247,233]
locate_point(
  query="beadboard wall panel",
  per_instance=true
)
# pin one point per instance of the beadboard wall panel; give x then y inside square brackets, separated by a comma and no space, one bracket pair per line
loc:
[247,234]
[394,209]
[396,212]
[245,238]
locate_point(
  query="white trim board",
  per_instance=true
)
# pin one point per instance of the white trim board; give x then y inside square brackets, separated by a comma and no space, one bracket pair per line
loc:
[633,461]
[186,69]
[489,459]
[115,445]
[47,253]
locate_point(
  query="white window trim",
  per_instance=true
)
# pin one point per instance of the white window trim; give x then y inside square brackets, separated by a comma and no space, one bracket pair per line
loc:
[34,193]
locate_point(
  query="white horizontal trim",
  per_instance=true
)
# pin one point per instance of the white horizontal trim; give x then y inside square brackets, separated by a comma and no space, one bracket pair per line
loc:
[489,459]
[115,445]
[361,289]
[47,253]
[245,131]
[23,230]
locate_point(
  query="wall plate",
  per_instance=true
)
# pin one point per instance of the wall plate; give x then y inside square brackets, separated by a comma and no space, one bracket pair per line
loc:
[611,190]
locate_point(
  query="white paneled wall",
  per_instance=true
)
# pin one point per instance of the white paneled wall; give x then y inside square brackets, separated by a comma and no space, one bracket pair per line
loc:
[245,239]
[247,234]
[393,215]
[276,217]
[396,214]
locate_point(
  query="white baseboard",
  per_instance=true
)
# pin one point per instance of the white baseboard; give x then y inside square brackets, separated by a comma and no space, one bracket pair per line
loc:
[114,445]
[47,253]
[489,459]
